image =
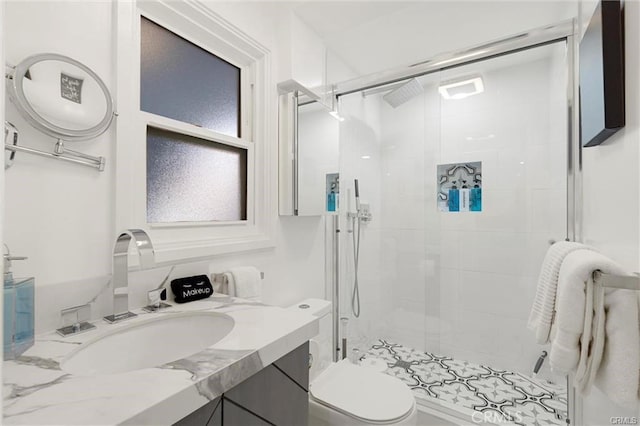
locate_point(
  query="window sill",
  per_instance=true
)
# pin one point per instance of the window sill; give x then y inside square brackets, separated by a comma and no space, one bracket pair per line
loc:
[178,252]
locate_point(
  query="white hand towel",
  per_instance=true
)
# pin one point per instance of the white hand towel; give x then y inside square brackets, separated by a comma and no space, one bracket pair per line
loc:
[219,284]
[619,373]
[542,312]
[598,340]
[572,303]
[591,340]
[248,282]
[231,283]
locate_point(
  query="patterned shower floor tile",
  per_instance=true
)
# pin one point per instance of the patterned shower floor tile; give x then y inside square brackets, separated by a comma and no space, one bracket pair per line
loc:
[470,388]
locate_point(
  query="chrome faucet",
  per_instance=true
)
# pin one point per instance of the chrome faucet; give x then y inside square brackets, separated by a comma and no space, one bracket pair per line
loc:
[120,278]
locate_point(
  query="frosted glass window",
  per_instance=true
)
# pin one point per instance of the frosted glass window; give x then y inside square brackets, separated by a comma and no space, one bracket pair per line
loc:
[194,180]
[182,81]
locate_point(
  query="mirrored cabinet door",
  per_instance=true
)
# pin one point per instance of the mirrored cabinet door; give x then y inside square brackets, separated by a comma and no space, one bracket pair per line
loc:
[309,157]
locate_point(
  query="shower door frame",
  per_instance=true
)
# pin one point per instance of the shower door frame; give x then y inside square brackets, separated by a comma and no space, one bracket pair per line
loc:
[566,31]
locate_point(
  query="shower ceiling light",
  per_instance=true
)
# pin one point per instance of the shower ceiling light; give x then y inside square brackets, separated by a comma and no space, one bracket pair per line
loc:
[460,89]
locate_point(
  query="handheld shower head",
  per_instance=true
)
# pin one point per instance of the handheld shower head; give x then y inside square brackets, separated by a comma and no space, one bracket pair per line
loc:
[357,191]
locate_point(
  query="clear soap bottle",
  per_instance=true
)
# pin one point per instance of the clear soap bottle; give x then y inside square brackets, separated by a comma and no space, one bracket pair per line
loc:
[18,311]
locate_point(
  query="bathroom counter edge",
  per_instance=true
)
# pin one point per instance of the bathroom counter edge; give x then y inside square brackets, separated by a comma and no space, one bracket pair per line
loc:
[37,392]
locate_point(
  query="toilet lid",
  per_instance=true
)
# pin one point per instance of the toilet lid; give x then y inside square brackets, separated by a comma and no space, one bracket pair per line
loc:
[362,393]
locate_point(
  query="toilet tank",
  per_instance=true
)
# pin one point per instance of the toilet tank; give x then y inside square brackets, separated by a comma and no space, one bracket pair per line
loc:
[320,345]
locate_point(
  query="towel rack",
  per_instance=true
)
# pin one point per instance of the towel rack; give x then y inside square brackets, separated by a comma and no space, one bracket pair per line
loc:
[222,278]
[628,282]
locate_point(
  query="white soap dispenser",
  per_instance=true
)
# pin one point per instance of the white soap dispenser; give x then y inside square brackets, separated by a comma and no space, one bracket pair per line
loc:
[18,315]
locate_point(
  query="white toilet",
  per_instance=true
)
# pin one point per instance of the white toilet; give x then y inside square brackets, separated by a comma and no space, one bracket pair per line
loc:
[346,394]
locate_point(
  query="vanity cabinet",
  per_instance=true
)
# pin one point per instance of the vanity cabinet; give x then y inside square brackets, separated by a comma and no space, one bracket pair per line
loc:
[208,415]
[276,395]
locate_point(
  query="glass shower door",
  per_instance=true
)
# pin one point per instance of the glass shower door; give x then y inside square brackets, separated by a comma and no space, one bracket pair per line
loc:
[500,171]
[465,174]
[383,155]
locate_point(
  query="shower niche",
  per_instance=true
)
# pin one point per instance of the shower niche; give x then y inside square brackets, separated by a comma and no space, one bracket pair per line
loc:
[308,153]
[460,187]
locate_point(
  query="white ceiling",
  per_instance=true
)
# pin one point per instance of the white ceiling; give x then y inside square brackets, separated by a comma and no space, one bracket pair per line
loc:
[371,36]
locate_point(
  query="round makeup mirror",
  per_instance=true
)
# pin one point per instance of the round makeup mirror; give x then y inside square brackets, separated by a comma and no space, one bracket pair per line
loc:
[61,97]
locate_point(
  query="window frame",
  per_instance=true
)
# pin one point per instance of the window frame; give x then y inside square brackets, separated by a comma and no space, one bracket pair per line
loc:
[197,24]
[243,69]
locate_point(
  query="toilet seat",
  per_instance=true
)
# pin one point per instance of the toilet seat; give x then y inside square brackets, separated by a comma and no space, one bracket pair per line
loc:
[361,393]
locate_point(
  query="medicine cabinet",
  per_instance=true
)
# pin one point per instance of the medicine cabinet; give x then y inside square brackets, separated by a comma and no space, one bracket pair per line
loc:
[309,154]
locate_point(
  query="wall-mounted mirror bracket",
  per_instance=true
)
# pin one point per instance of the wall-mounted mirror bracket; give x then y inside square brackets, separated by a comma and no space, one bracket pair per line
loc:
[59,152]
[62,98]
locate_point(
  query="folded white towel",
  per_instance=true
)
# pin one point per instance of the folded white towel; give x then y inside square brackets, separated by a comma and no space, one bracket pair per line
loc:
[542,311]
[592,338]
[226,285]
[597,335]
[246,281]
[619,373]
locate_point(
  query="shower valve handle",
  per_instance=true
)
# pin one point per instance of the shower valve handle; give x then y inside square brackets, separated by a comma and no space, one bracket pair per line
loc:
[539,362]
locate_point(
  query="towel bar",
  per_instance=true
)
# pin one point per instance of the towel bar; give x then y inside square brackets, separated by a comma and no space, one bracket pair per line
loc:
[629,282]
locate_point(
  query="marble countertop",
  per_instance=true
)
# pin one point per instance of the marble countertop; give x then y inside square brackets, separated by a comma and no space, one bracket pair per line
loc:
[37,392]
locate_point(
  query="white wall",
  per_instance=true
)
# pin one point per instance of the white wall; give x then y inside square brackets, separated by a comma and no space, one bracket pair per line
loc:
[2,157]
[611,169]
[58,214]
[61,215]
[612,190]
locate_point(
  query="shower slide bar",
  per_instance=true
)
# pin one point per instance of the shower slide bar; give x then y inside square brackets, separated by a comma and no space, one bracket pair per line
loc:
[628,282]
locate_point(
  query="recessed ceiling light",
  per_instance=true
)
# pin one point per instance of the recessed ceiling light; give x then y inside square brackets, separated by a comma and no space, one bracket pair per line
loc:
[365,157]
[460,89]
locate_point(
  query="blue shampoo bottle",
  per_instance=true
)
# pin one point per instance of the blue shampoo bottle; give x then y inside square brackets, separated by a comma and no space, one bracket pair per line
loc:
[454,199]
[476,199]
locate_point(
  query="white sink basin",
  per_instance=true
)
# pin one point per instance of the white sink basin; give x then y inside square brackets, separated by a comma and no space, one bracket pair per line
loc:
[148,343]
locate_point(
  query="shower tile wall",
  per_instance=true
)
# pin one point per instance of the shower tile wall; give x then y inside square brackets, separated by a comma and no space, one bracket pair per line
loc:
[462,284]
